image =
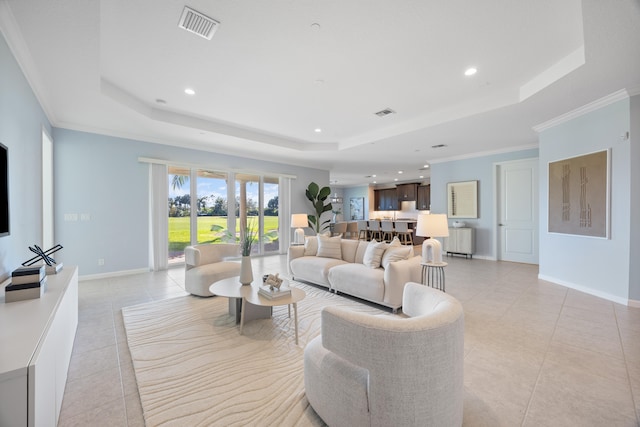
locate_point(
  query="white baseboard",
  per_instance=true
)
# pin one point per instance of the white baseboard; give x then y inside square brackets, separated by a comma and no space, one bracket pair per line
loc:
[487,258]
[112,274]
[634,303]
[594,292]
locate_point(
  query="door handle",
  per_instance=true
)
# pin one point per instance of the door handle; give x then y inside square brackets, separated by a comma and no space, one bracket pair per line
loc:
[501,225]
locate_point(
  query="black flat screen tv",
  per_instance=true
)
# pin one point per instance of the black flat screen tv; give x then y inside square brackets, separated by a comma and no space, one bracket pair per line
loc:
[4,190]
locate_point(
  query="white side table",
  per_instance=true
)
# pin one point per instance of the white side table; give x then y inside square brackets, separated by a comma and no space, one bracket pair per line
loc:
[433,274]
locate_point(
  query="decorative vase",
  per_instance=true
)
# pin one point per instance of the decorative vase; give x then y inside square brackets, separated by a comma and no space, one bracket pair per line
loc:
[246,273]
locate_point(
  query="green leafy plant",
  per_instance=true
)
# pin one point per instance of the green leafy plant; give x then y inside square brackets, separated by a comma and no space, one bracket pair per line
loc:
[317,197]
[247,238]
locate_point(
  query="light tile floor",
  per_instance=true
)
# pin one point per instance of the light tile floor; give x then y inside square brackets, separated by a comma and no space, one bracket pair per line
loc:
[536,354]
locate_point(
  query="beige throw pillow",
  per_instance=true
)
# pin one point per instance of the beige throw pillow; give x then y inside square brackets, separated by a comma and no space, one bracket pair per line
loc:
[329,247]
[395,242]
[373,254]
[395,253]
[310,246]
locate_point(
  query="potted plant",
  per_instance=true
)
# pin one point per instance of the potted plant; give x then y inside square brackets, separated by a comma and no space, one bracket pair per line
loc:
[247,237]
[317,197]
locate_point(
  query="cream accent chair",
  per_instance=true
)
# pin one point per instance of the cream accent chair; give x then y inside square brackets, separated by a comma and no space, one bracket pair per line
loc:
[205,264]
[367,370]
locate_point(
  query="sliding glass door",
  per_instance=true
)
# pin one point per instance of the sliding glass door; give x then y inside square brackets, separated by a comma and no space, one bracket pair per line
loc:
[200,211]
[212,214]
[179,213]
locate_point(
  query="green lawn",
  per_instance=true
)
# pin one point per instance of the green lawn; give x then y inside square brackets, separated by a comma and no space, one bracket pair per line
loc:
[179,230]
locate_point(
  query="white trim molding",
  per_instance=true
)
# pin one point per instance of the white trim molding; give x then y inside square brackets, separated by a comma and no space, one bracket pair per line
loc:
[592,106]
[586,290]
[221,169]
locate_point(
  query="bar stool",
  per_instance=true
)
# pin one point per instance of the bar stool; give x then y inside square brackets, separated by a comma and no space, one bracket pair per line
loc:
[405,235]
[352,229]
[363,230]
[339,229]
[387,231]
[374,230]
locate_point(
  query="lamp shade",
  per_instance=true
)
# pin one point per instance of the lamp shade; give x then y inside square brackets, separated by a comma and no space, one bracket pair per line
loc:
[299,220]
[432,225]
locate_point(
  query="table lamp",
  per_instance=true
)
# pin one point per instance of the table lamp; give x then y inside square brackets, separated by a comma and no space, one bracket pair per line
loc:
[432,225]
[299,221]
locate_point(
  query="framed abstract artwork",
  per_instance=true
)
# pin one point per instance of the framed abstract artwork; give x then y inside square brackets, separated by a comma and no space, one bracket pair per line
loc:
[579,195]
[356,208]
[462,199]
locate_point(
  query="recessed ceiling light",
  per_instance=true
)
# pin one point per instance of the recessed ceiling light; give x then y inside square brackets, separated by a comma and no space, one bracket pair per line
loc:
[374,175]
[317,130]
[189,91]
[375,182]
[315,26]
[395,179]
[400,171]
[470,71]
[421,176]
[426,166]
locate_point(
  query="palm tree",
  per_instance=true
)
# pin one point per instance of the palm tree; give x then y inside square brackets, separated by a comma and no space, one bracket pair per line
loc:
[177,181]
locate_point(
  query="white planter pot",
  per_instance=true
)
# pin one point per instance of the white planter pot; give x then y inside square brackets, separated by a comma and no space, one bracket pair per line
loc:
[246,272]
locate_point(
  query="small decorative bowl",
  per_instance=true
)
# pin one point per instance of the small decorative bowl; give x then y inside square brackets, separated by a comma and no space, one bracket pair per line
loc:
[458,224]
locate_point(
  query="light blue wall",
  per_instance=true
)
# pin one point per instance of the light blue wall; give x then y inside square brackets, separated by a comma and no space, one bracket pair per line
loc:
[634,253]
[347,193]
[356,192]
[101,176]
[482,170]
[21,123]
[598,266]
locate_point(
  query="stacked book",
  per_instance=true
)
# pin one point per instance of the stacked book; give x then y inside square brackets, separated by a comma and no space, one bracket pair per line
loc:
[26,283]
[54,269]
[274,293]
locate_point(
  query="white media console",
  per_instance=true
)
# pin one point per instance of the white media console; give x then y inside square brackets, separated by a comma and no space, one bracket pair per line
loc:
[36,341]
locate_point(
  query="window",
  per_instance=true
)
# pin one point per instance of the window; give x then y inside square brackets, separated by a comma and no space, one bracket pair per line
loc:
[200,212]
[179,213]
[212,224]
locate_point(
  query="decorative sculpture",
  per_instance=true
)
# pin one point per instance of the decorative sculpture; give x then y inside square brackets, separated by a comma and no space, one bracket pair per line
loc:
[42,255]
[273,281]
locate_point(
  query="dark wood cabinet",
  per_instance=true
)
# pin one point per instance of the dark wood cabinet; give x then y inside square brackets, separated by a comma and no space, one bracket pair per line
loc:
[424,198]
[386,199]
[406,192]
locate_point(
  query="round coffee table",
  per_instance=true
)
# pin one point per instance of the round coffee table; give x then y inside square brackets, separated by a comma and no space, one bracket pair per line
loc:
[251,301]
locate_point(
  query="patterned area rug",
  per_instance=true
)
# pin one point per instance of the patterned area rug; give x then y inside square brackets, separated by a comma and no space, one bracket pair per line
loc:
[194,368]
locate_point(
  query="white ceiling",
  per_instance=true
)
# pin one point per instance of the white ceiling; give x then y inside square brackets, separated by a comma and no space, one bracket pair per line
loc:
[269,76]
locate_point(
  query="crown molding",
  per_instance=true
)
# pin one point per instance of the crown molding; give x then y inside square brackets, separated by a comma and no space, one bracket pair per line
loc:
[18,46]
[485,153]
[588,108]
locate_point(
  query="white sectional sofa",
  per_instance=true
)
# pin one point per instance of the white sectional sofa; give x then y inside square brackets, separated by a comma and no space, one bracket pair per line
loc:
[373,271]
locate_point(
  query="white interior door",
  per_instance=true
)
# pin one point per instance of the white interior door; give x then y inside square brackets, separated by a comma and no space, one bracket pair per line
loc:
[518,211]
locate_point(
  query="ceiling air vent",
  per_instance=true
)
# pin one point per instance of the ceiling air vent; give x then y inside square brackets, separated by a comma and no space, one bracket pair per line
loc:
[385,112]
[197,23]
[438,146]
